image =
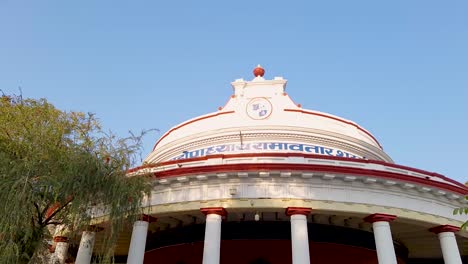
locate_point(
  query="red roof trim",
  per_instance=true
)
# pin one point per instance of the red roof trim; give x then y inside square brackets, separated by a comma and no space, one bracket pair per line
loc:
[460,189]
[189,122]
[337,119]
[314,156]
[309,167]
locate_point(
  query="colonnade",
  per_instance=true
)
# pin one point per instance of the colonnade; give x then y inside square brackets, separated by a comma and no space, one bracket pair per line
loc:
[299,239]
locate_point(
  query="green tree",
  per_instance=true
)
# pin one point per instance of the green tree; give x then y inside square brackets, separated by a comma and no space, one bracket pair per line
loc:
[54,167]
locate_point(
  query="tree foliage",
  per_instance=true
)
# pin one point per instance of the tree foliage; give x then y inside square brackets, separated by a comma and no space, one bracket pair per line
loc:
[54,167]
[462,210]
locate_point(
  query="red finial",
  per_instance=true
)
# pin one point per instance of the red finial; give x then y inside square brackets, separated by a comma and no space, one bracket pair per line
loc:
[259,71]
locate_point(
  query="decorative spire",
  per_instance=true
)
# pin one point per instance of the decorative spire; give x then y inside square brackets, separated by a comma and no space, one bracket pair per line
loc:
[259,71]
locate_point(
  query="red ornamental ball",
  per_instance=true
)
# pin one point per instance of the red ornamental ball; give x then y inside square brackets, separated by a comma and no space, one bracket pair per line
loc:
[259,71]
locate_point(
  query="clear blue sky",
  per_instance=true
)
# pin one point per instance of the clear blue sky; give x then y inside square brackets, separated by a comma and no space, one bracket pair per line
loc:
[398,68]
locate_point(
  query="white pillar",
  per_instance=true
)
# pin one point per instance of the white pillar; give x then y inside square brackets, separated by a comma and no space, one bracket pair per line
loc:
[136,253]
[448,243]
[299,239]
[449,246]
[299,234]
[383,237]
[61,249]
[384,243]
[212,244]
[85,251]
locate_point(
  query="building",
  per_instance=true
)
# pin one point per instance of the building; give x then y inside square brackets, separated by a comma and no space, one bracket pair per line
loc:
[263,180]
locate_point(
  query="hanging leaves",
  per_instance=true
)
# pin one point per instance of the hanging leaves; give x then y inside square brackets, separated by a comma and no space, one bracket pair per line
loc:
[54,167]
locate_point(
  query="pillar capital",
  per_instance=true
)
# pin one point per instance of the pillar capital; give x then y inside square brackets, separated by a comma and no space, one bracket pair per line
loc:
[147,218]
[444,228]
[298,210]
[61,249]
[60,239]
[379,218]
[214,210]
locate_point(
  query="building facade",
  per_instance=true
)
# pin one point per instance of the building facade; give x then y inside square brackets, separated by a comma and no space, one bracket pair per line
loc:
[263,180]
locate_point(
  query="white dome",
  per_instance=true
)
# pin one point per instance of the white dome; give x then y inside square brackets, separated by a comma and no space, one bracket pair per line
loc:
[261,117]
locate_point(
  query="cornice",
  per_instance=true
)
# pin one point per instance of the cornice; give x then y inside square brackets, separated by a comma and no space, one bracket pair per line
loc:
[305,165]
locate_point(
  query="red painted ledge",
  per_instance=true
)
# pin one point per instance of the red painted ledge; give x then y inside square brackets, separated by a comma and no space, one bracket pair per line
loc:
[60,239]
[380,217]
[298,211]
[214,210]
[444,228]
[226,168]
[462,189]
[148,218]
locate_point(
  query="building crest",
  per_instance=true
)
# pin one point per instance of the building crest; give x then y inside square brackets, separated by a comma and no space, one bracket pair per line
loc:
[259,108]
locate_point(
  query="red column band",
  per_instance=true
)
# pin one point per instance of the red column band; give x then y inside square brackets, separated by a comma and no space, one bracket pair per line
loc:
[214,210]
[298,210]
[60,239]
[380,217]
[148,218]
[444,228]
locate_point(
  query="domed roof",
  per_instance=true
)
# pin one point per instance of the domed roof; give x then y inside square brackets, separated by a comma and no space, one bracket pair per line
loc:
[261,117]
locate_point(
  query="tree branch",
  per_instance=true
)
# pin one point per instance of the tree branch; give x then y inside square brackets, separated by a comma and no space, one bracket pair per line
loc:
[45,208]
[39,214]
[46,221]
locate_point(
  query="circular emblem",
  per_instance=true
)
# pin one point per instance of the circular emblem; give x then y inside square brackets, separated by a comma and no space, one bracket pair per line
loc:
[259,108]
